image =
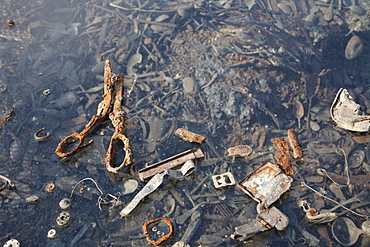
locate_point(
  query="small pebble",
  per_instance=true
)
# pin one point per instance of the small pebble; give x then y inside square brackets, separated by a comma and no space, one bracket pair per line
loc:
[354,48]
[32,199]
[190,85]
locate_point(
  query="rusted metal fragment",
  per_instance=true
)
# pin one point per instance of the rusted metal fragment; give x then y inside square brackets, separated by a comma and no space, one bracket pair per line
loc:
[170,163]
[294,144]
[157,231]
[282,155]
[6,116]
[266,219]
[266,184]
[347,114]
[223,180]
[252,227]
[272,218]
[189,136]
[240,150]
[39,137]
[117,116]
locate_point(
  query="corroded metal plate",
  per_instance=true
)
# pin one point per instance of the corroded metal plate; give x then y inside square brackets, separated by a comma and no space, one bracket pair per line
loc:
[266,184]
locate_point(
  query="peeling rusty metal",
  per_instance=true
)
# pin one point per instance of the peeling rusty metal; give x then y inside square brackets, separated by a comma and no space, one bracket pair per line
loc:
[110,105]
[282,155]
[294,144]
[189,136]
[169,163]
[266,184]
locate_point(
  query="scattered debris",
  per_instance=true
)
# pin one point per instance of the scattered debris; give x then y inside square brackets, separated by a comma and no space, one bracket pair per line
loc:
[223,180]
[11,24]
[347,114]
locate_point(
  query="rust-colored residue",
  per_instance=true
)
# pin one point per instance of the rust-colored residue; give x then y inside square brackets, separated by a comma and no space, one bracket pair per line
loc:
[162,239]
[189,136]
[7,115]
[282,155]
[294,144]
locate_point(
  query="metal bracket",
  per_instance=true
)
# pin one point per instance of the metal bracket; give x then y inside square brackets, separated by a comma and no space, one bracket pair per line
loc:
[169,163]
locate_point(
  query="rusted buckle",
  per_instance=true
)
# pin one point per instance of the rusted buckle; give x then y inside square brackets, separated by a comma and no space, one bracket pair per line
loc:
[157,231]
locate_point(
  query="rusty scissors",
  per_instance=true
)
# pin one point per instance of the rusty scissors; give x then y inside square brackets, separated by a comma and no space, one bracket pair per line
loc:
[111,106]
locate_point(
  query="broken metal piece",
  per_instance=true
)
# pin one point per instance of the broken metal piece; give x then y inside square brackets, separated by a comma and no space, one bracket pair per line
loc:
[117,116]
[155,182]
[266,219]
[63,219]
[7,181]
[282,155]
[151,186]
[313,215]
[240,150]
[158,231]
[347,114]
[169,163]
[252,227]
[272,218]
[41,138]
[294,144]
[189,136]
[223,180]
[266,184]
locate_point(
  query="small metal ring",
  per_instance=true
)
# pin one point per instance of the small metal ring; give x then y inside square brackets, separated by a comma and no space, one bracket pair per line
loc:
[41,138]
[52,233]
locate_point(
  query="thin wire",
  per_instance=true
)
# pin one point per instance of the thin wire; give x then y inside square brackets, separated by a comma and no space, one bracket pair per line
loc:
[100,198]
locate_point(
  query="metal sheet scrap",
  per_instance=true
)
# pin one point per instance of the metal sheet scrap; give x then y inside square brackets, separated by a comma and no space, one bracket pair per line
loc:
[266,184]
